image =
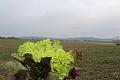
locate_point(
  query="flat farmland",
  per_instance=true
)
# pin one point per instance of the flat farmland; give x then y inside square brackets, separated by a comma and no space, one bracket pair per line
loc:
[101,60]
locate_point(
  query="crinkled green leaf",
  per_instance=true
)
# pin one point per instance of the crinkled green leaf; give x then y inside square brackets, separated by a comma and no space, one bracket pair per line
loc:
[61,60]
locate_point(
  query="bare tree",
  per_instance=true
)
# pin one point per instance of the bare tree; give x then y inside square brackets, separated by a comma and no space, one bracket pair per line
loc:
[116,40]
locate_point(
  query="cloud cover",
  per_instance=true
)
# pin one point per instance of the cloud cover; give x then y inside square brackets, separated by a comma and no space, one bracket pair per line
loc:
[60,18]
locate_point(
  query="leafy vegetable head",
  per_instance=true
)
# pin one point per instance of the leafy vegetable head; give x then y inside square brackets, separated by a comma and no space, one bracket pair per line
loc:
[60,62]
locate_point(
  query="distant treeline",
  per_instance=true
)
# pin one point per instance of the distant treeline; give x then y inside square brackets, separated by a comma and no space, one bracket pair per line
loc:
[8,38]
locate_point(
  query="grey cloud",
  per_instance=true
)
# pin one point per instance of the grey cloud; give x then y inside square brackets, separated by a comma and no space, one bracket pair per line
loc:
[60,18]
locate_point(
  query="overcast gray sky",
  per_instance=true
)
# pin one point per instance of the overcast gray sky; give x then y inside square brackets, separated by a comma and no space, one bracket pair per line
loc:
[60,18]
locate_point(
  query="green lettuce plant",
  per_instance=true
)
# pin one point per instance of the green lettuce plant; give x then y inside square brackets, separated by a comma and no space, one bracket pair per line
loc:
[60,62]
[13,66]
